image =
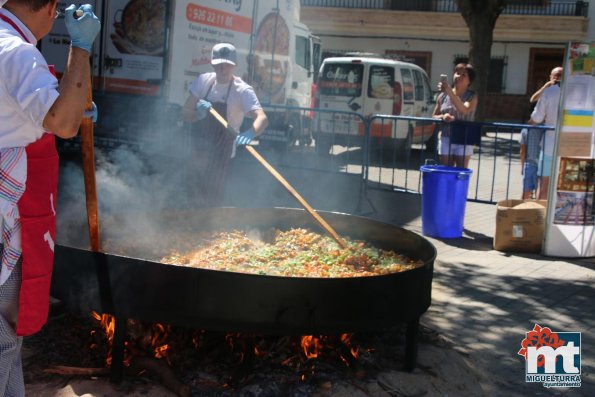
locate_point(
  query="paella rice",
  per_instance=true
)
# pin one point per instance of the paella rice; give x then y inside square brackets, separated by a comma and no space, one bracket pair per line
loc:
[291,253]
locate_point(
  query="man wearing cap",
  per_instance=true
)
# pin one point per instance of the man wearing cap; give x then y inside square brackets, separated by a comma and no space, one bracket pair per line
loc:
[33,103]
[233,99]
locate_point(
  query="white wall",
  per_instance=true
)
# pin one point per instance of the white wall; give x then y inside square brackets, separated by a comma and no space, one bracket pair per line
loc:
[443,53]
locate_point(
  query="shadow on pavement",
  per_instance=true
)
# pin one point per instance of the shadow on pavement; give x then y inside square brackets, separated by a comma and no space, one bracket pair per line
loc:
[492,312]
[471,240]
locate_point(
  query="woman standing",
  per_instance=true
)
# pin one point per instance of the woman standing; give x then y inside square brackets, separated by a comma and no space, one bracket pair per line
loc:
[456,103]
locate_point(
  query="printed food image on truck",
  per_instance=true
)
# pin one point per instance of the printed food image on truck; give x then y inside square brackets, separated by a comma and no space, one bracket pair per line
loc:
[271,59]
[149,51]
[140,27]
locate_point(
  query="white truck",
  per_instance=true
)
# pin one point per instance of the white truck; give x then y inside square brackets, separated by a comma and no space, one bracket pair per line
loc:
[149,51]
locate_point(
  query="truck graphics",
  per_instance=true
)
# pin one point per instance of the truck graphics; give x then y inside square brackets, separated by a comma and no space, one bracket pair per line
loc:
[155,48]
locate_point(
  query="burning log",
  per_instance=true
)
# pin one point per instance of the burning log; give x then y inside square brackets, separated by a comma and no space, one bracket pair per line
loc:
[76,371]
[160,369]
[138,365]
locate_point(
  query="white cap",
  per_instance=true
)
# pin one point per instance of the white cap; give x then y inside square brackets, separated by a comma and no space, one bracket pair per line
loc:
[222,53]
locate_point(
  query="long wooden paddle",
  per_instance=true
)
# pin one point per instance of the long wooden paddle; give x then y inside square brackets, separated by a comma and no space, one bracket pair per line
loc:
[287,186]
[89,173]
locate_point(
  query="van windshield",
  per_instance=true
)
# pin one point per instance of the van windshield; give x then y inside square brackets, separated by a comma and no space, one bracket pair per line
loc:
[341,79]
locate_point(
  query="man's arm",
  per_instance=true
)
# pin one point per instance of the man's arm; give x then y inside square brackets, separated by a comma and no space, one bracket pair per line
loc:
[189,109]
[65,115]
[535,97]
[538,114]
[260,122]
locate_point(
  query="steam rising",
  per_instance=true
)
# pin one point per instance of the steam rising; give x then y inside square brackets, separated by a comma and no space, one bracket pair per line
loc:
[135,189]
[128,184]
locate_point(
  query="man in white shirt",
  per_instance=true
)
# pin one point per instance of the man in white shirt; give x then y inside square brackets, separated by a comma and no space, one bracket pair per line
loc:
[546,111]
[213,145]
[32,104]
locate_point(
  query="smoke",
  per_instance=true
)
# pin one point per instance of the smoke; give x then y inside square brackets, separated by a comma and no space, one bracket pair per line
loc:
[135,189]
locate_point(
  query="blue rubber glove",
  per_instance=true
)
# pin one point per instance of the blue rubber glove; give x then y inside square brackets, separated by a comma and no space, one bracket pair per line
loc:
[84,29]
[245,137]
[92,113]
[202,108]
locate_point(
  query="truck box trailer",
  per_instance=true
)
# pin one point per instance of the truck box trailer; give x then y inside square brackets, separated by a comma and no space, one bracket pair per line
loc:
[149,51]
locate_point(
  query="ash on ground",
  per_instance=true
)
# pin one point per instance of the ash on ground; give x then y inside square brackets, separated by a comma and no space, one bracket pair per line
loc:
[216,364]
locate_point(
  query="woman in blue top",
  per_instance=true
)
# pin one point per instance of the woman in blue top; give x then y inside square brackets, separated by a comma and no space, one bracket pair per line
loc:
[456,103]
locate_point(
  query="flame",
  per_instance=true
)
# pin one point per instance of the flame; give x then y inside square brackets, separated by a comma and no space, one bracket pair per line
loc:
[258,352]
[157,341]
[107,323]
[311,345]
[160,335]
[161,351]
[158,338]
[237,341]
[346,339]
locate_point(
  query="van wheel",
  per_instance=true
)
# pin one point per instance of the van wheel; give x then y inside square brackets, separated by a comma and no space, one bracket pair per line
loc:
[323,144]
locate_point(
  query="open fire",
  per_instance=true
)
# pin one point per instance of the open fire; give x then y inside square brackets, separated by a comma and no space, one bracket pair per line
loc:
[319,309]
[300,354]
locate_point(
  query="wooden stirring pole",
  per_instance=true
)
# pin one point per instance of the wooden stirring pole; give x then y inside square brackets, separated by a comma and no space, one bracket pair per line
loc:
[89,173]
[287,186]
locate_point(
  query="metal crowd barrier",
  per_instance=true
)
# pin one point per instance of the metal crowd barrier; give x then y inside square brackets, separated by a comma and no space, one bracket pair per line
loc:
[382,151]
[495,157]
[317,139]
[387,151]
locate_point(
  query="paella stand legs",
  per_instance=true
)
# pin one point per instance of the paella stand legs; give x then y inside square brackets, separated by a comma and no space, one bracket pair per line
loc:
[411,344]
[117,368]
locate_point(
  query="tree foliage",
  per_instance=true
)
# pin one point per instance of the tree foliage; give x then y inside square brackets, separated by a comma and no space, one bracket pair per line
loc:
[480,17]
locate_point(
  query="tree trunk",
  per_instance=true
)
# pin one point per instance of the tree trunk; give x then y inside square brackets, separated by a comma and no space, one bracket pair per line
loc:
[480,17]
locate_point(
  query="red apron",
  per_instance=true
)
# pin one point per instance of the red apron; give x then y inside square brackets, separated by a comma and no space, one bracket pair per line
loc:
[38,227]
[38,232]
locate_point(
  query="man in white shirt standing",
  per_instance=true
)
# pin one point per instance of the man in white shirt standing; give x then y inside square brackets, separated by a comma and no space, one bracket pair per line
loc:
[213,144]
[546,111]
[33,109]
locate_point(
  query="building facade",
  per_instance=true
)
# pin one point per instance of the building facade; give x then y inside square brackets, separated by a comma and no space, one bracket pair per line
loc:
[530,38]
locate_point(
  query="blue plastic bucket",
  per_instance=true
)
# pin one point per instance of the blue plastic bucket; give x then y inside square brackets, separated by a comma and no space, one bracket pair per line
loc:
[444,195]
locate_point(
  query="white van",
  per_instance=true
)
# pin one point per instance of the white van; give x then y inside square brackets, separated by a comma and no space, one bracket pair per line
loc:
[368,86]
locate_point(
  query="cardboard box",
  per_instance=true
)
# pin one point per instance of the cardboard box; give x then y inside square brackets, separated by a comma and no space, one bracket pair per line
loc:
[520,225]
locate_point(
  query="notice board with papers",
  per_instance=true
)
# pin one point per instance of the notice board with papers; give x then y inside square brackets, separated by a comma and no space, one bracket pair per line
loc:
[570,219]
